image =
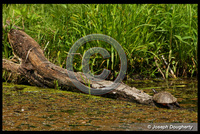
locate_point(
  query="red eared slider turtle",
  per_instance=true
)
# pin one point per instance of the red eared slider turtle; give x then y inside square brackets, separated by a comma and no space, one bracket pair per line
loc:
[165,98]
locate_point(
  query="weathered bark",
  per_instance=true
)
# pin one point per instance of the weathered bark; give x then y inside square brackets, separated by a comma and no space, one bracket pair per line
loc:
[40,72]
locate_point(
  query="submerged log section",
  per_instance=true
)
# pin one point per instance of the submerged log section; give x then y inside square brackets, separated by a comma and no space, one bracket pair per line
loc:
[38,71]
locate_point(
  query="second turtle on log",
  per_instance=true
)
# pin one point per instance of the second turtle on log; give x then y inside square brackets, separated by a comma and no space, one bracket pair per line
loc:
[165,99]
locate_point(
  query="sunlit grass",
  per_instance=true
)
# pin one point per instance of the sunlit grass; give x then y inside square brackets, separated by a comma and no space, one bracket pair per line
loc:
[144,31]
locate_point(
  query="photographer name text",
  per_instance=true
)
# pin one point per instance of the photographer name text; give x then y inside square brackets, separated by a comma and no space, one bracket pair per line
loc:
[170,127]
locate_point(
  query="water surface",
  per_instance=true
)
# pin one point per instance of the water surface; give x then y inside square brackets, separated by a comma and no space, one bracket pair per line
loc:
[34,108]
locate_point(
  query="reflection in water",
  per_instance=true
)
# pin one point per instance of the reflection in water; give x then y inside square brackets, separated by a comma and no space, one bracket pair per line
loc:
[185,89]
[33,108]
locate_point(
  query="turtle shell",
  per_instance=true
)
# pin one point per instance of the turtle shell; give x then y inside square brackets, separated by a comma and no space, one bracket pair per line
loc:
[164,97]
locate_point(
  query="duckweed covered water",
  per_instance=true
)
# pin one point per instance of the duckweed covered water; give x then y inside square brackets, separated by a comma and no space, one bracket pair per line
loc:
[32,108]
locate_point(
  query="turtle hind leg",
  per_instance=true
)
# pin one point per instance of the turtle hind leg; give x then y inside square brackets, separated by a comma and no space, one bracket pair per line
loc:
[169,106]
[177,104]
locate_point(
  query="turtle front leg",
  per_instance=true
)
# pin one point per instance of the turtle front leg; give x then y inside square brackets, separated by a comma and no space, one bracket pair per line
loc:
[177,104]
[169,106]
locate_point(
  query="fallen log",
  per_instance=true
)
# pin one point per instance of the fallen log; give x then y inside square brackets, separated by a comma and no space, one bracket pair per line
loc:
[38,71]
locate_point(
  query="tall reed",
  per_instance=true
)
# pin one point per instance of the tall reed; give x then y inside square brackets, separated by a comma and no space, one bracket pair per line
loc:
[144,31]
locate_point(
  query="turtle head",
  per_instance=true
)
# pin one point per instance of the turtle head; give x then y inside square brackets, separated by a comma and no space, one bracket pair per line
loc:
[155,92]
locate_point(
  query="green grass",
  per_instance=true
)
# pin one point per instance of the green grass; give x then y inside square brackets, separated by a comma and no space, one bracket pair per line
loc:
[144,31]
